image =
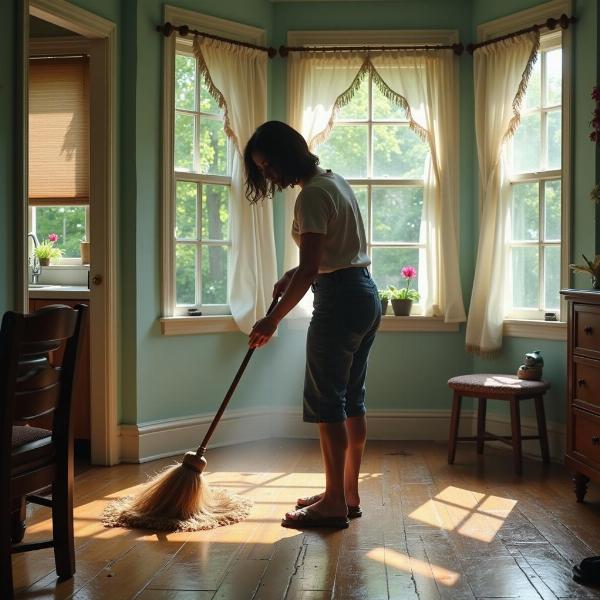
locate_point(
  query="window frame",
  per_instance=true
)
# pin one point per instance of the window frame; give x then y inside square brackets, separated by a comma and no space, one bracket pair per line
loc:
[370,182]
[175,321]
[394,37]
[515,324]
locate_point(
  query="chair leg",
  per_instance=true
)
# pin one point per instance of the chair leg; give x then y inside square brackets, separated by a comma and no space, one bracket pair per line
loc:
[454,421]
[481,424]
[17,521]
[6,578]
[62,529]
[515,419]
[542,431]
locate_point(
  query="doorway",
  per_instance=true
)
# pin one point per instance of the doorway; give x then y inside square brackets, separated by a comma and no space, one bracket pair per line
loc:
[59,31]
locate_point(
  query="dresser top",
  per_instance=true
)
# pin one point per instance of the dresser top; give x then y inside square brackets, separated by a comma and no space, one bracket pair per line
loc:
[582,295]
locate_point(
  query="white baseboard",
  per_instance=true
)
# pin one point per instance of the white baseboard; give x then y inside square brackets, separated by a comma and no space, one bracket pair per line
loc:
[158,439]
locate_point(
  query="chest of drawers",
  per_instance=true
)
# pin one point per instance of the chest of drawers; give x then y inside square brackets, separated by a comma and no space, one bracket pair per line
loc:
[583,395]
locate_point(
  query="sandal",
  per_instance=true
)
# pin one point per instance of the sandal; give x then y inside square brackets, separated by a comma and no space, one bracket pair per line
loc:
[354,512]
[306,519]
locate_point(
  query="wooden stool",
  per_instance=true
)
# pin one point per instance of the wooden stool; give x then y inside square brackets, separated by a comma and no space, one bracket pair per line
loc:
[499,387]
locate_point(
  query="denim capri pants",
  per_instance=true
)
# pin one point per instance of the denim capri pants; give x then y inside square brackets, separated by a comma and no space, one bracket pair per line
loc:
[346,315]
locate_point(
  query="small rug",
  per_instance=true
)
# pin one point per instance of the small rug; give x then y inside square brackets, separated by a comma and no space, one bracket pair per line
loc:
[224,509]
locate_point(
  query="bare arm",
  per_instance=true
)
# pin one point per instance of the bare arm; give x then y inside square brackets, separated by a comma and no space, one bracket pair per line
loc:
[311,252]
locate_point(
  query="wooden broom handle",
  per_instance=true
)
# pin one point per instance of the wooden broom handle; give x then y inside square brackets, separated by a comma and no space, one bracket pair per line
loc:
[202,449]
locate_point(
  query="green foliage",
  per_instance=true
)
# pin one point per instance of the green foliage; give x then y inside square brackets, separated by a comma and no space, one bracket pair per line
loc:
[67,221]
[384,294]
[404,293]
[47,250]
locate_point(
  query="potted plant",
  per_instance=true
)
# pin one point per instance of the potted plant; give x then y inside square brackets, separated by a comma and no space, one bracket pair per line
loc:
[403,298]
[384,296]
[46,251]
[590,267]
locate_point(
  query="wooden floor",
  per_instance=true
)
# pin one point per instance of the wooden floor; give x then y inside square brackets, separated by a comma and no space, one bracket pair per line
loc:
[429,530]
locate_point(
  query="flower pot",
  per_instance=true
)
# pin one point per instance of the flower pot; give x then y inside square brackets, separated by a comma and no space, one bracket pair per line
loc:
[44,262]
[401,308]
[84,248]
[384,305]
[595,283]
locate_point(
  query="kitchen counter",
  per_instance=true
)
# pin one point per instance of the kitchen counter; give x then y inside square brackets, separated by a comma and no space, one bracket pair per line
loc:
[77,292]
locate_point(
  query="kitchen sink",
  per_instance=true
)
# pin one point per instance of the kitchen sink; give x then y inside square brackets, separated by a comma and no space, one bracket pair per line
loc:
[37,286]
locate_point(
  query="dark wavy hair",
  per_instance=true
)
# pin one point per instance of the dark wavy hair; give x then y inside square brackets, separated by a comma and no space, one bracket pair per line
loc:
[287,155]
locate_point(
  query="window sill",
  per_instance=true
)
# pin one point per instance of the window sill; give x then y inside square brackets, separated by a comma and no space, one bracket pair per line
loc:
[197,325]
[541,330]
[416,323]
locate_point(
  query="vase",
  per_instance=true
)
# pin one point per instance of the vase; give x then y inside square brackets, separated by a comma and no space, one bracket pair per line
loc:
[44,262]
[595,282]
[384,305]
[84,248]
[402,308]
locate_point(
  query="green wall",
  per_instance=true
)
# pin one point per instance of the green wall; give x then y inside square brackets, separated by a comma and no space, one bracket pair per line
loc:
[172,377]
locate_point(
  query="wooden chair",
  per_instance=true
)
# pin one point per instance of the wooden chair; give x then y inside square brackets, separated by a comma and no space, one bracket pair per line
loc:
[499,387]
[33,458]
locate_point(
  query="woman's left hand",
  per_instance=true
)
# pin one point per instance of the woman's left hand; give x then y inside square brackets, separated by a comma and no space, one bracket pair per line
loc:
[262,331]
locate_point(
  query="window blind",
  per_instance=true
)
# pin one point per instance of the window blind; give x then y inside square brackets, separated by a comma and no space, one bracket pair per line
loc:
[58,131]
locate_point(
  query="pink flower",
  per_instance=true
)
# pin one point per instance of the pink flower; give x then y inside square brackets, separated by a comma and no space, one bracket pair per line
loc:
[409,272]
[596,93]
[52,237]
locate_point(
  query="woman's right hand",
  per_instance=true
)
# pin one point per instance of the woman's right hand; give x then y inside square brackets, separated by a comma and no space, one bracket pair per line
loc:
[282,285]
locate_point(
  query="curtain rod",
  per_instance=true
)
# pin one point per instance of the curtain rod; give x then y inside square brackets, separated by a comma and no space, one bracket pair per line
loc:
[168,28]
[285,50]
[550,23]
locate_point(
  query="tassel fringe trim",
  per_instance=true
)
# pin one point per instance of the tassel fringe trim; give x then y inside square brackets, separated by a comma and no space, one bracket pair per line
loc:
[346,97]
[487,354]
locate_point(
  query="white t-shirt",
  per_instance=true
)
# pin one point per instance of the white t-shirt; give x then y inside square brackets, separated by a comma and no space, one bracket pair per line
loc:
[328,205]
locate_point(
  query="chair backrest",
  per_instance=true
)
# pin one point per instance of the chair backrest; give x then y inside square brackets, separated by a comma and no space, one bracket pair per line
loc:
[31,383]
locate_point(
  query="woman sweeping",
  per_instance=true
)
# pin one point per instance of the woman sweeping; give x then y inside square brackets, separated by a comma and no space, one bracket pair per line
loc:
[329,232]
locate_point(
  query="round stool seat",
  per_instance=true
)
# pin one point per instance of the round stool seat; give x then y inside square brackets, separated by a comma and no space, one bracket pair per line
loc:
[485,384]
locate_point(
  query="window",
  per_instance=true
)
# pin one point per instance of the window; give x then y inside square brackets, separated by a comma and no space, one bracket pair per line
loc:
[59,152]
[373,146]
[202,179]
[534,159]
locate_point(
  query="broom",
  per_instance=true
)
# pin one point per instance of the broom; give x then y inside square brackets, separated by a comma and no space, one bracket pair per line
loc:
[179,498]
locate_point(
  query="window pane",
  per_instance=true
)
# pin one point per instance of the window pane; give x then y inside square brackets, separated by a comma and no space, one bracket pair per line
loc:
[213,147]
[207,103]
[186,210]
[397,214]
[554,137]
[526,144]
[388,262]
[552,196]
[398,152]
[184,142]
[360,191]
[551,277]
[345,152]
[215,212]
[384,108]
[68,222]
[358,107]
[533,95]
[525,211]
[185,273]
[526,274]
[214,274]
[185,82]
[554,77]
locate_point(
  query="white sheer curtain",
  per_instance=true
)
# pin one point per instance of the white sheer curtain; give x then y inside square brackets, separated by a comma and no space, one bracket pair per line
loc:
[502,71]
[236,77]
[424,84]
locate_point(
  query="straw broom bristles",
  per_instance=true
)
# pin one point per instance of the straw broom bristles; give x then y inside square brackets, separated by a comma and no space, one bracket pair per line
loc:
[178,499]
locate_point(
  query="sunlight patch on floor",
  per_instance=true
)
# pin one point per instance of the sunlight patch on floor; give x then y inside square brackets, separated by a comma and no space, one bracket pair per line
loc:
[472,514]
[408,564]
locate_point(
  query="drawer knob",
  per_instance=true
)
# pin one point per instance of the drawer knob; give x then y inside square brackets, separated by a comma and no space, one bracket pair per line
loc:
[596,440]
[588,330]
[581,382]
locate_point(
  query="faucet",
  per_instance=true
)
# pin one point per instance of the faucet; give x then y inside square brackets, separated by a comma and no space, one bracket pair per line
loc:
[33,262]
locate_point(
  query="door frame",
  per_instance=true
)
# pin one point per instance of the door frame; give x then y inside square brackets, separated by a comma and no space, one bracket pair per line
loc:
[100,37]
